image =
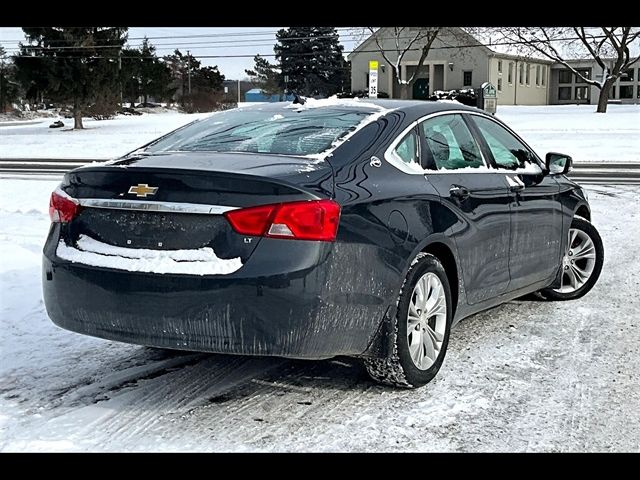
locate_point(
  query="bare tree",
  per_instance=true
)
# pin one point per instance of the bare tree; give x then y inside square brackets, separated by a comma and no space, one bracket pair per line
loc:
[404,39]
[610,47]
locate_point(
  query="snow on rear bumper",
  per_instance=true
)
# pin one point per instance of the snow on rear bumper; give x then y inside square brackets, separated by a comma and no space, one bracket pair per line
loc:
[201,261]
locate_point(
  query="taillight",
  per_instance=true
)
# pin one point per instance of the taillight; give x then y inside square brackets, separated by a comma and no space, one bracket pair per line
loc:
[62,208]
[307,220]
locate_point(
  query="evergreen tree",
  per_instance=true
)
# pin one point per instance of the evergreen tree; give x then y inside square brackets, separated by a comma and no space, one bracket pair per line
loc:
[311,60]
[9,88]
[266,75]
[203,79]
[207,79]
[72,64]
[144,74]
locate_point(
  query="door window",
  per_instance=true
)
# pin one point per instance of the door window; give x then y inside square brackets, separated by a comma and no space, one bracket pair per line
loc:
[507,150]
[449,143]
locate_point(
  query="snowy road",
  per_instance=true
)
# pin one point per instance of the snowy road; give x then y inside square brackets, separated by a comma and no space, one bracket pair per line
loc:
[526,376]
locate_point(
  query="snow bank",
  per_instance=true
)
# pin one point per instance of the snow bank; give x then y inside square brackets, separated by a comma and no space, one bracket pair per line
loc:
[201,261]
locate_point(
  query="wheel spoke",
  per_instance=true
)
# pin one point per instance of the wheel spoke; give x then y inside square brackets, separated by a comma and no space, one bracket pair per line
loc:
[581,275]
[438,337]
[585,250]
[430,351]
[572,236]
[573,281]
[426,288]
[415,346]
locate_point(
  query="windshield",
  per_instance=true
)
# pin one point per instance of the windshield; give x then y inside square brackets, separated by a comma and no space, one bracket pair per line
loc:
[287,131]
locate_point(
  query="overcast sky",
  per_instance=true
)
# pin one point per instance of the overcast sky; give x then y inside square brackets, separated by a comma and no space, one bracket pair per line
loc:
[221,41]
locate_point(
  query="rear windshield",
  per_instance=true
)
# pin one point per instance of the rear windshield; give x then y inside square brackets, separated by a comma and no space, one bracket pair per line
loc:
[287,131]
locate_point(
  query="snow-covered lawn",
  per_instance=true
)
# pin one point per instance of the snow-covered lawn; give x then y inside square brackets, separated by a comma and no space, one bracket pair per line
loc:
[578,131]
[101,139]
[525,376]
[575,130]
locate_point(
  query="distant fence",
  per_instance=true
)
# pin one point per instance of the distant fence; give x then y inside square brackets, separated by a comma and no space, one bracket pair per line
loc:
[602,173]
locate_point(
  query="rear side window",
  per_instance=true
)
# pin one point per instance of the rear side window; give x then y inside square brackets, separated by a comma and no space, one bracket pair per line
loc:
[407,150]
[282,131]
[507,150]
[449,144]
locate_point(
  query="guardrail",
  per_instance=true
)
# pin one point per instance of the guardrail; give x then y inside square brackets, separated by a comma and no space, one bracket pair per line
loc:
[602,173]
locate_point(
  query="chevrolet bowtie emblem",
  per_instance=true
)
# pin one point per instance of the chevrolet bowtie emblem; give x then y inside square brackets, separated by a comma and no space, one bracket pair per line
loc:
[142,190]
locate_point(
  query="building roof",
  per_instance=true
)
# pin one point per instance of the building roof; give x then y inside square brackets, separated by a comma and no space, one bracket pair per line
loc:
[500,51]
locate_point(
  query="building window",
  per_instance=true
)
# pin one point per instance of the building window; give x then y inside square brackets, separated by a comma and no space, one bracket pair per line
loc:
[538,75]
[499,66]
[626,91]
[581,93]
[585,72]
[527,69]
[510,75]
[521,79]
[544,75]
[564,76]
[466,79]
[612,92]
[627,75]
[639,88]
[499,84]
[564,93]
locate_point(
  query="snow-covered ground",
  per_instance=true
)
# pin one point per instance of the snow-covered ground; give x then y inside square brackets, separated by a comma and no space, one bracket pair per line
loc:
[572,129]
[101,139]
[526,376]
[578,131]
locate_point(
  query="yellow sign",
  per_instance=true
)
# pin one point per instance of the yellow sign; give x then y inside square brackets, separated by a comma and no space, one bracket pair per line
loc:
[373,64]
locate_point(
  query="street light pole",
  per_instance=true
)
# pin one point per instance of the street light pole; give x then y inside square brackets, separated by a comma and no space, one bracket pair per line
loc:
[238,91]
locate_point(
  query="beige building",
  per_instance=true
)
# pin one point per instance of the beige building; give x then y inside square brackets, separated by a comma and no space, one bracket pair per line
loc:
[456,60]
[566,87]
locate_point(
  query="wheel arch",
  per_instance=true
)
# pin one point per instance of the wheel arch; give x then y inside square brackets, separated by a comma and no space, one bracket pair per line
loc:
[446,256]
[583,211]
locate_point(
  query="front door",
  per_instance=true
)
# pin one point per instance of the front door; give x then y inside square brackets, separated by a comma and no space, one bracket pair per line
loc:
[421,89]
[536,216]
[480,199]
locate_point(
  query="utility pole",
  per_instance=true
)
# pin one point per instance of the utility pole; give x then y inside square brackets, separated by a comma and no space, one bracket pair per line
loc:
[189,70]
[120,74]
[238,91]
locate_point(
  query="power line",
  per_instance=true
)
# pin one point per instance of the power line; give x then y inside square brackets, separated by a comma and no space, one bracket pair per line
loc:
[204,35]
[443,47]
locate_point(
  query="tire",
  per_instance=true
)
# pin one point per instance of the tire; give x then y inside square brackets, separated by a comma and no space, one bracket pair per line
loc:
[399,369]
[571,289]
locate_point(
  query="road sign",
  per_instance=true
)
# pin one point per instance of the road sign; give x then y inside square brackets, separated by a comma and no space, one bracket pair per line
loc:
[373,79]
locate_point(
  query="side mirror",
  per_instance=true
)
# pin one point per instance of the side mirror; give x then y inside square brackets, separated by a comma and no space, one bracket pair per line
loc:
[558,163]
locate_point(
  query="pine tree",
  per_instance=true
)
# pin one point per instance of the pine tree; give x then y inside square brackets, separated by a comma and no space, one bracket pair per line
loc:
[311,60]
[207,79]
[266,75]
[144,74]
[72,64]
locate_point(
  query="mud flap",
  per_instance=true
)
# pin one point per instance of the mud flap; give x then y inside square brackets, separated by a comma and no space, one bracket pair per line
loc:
[381,345]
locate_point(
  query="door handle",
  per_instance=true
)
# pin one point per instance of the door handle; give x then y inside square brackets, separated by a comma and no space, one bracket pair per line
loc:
[460,192]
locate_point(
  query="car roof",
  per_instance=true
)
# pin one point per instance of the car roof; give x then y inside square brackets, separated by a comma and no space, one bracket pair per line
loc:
[421,107]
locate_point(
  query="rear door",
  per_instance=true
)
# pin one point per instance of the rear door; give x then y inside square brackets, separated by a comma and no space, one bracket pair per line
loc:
[478,197]
[536,217]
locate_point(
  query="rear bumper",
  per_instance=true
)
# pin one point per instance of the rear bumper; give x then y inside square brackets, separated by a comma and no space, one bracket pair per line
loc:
[298,310]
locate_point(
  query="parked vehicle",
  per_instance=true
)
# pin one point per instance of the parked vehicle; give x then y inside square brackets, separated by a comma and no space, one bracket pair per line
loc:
[365,228]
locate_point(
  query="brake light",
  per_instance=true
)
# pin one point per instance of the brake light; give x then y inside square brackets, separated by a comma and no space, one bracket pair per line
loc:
[307,220]
[62,208]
